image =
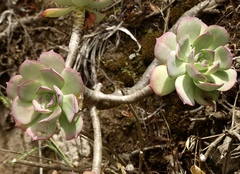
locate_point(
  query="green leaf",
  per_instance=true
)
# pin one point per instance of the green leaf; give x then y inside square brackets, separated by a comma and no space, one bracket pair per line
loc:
[70,130]
[23,112]
[224,55]
[52,60]
[12,86]
[202,42]
[185,88]
[205,98]
[160,82]
[100,4]
[81,3]
[175,67]
[183,48]
[194,73]
[51,77]
[73,82]
[57,12]
[70,106]
[27,90]
[63,2]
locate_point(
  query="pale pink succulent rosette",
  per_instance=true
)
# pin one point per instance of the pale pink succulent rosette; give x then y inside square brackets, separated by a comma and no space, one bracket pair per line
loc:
[195,62]
[44,93]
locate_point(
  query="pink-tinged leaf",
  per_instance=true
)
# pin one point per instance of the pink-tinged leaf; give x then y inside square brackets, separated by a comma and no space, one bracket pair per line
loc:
[52,60]
[164,46]
[194,73]
[191,56]
[213,68]
[81,3]
[227,77]
[59,95]
[44,89]
[185,88]
[23,112]
[208,55]
[70,106]
[52,118]
[73,82]
[160,82]
[57,12]
[207,86]
[38,107]
[100,4]
[27,90]
[202,42]
[221,36]
[41,131]
[12,89]
[51,77]
[183,48]
[205,98]
[30,70]
[64,2]
[191,26]
[70,130]
[225,56]
[175,67]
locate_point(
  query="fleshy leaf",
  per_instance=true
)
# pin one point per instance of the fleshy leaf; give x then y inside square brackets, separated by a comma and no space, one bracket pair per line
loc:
[213,68]
[70,106]
[207,86]
[52,60]
[194,73]
[22,111]
[183,48]
[225,57]
[70,130]
[203,41]
[52,77]
[100,4]
[81,3]
[175,67]
[59,95]
[208,55]
[56,12]
[185,89]
[64,2]
[191,26]
[43,89]
[27,90]
[12,89]
[41,131]
[228,77]
[73,82]
[39,108]
[164,46]
[160,82]
[30,70]
[205,98]
[221,36]
[51,118]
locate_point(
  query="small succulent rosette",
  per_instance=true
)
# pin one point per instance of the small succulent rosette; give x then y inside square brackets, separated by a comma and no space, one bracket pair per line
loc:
[74,5]
[44,94]
[195,61]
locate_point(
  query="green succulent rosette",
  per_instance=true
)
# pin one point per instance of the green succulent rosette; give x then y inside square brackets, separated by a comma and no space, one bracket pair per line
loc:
[195,62]
[44,94]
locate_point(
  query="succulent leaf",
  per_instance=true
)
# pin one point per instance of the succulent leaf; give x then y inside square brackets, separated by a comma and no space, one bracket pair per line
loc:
[100,4]
[194,73]
[51,77]
[175,67]
[22,111]
[70,106]
[160,82]
[57,12]
[81,3]
[183,48]
[224,55]
[221,36]
[164,46]
[73,82]
[71,130]
[30,70]
[63,2]
[202,42]
[27,90]
[185,89]
[12,86]
[52,60]
[205,98]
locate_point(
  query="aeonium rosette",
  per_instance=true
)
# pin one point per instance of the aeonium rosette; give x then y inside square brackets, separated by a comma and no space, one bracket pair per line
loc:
[196,62]
[44,93]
